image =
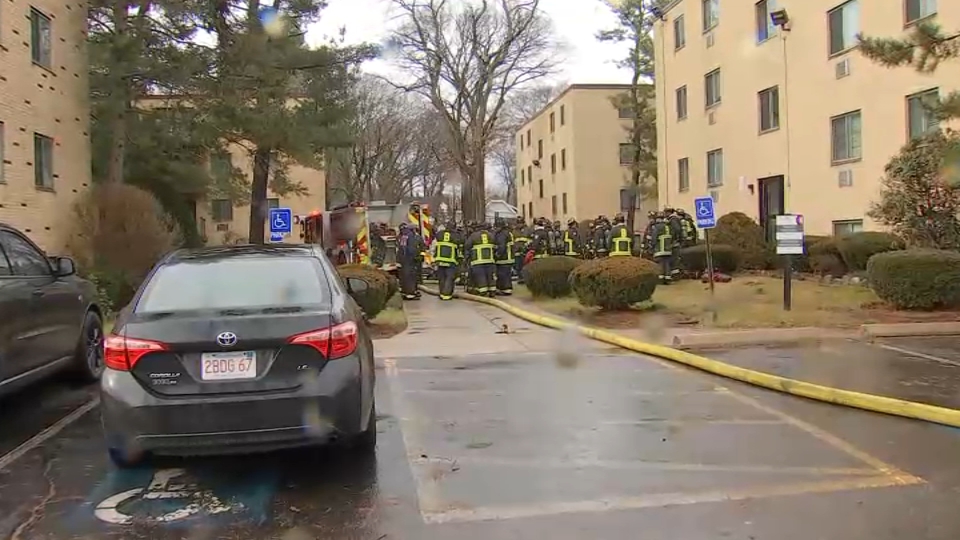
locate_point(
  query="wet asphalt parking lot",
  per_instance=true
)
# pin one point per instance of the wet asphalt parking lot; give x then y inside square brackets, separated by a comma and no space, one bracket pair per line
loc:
[523,435]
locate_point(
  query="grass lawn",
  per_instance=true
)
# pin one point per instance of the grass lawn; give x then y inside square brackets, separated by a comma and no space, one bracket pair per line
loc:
[748,301]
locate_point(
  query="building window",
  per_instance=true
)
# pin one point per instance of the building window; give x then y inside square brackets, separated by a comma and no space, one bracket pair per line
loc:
[563,116]
[553,205]
[844,27]
[679,34]
[273,203]
[711,14]
[42,161]
[711,83]
[553,164]
[715,168]
[769,101]
[683,174]
[530,209]
[765,27]
[626,154]
[221,165]
[564,202]
[846,227]
[563,159]
[919,9]
[553,123]
[523,210]
[40,39]
[3,178]
[921,117]
[845,137]
[528,137]
[682,102]
[530,173]
[540,149]
[541,188]
[521,142]
[221,210]
[625,112]
[521,177]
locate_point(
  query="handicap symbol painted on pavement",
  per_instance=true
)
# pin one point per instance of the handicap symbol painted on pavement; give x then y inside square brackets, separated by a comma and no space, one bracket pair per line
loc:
[179,496]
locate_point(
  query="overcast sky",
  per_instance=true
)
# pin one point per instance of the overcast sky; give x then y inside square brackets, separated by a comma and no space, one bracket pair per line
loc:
[576,22]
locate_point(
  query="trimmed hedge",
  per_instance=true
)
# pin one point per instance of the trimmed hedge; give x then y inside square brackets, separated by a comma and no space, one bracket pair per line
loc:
[856,249]
[916,279]
[726,259]
[825,259]
[615,282]
[738,230]
[550,276]
[381,287]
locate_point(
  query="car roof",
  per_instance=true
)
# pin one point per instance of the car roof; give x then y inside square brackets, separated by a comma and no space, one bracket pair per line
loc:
[210,253]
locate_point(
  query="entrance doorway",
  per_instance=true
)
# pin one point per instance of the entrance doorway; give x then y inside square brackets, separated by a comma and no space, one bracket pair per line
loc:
[771,204]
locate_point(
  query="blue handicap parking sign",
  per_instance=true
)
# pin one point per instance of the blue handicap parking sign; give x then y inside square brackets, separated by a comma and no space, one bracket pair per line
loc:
[281,220]
[705,212]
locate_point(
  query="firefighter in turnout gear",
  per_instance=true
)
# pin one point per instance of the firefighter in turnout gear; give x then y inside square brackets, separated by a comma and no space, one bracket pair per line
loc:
[378,246]
[503,238]
[556,242]
[648,234]
[410,248]
[480,248]
[521,243]
[572,244]
[689,228]
[601,244]
[676,231]
[540,240]
[662,248]
[447,253]
[620,239]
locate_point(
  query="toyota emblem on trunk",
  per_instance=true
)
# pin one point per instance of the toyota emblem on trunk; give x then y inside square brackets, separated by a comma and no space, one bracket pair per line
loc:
[227,339]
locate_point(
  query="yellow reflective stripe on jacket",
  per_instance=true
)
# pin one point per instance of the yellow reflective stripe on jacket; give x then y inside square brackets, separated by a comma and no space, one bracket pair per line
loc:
[483,251]
[621,244]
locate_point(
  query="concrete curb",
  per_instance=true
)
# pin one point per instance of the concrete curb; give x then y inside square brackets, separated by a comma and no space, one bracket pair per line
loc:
[826,394]
[760,336]
[873,331]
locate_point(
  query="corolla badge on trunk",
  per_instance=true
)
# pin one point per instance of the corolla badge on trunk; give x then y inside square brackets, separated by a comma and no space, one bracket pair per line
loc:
[227,339]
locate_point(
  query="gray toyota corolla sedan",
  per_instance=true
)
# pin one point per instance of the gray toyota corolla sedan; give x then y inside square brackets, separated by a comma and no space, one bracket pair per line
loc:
[239,349]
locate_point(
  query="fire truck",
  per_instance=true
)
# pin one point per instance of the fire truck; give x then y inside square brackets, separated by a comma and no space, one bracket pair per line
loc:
[344,231]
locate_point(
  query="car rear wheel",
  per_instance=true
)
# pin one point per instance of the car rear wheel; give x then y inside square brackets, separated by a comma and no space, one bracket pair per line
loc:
[89,354]
[366,441]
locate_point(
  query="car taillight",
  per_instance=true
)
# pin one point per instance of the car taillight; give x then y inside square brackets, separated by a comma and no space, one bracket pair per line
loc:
[334,342]
[122,353]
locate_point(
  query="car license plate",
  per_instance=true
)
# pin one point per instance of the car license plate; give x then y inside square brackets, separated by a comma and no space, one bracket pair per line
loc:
[227,366]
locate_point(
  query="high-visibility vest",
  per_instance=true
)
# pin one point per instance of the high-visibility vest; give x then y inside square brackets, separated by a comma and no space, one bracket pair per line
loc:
[664,243]
[483,251]
[508,258]
[569,241]
[446,250]
[621,245]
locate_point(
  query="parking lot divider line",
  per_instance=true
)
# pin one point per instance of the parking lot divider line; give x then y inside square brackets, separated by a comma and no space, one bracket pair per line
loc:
[917,354]
[7,459]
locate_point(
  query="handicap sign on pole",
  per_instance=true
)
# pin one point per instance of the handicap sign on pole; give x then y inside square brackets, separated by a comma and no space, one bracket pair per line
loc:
[281,220]
[705,212]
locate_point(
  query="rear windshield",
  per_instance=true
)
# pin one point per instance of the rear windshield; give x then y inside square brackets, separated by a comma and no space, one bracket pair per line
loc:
[235,283]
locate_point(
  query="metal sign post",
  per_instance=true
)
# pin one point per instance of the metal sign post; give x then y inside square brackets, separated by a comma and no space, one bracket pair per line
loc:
[789,243]
[706,216]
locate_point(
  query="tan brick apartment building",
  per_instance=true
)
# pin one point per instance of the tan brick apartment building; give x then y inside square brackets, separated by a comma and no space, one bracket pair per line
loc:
[768,120]
[573,157]
[44,116]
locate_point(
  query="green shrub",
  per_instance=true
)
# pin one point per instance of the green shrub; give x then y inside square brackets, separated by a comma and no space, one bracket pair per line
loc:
[615,282]
[725,258]
[743,233]
[917,279]
[380,284]
[856,249]
[825,259]
[550,277]
[801,263]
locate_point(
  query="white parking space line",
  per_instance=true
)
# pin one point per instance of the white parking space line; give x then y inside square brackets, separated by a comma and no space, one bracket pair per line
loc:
[48,433]
[918,354]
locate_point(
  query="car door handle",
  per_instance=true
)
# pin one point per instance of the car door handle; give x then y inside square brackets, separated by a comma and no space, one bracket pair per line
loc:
[38,293]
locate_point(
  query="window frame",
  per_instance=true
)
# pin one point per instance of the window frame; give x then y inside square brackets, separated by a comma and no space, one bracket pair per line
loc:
[564,202]
[37,45]
[622,147]
[43,162]
[711,22]
[713,74]
[214,213]
[907,21]
[919,97]
[679,33]
[539,148]
[854,223]
[682,91]
[831,53]
[563,159]
[553,205]
[563,115]
[846,117]
[764,24]
[714,154]
[553,122]
[553,163]
[541,188]
[683,175]
[773,112]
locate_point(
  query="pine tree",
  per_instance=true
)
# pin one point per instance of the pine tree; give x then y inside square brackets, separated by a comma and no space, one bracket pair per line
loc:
[925,48]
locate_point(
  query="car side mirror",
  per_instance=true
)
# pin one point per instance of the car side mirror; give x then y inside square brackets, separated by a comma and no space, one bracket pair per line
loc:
[356,285]
[64,266]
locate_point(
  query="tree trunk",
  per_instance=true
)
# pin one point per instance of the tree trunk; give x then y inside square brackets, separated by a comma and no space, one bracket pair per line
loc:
[258,194]
[121,97]
[472,194]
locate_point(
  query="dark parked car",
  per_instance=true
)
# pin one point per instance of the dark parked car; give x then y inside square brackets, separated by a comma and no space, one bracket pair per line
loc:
[239,349]
[49,320]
